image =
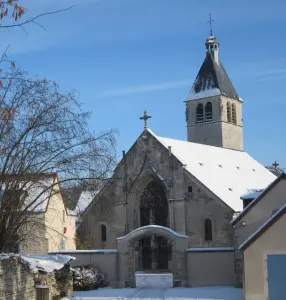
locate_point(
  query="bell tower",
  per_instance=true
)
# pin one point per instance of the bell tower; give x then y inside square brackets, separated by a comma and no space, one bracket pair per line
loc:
[213,107]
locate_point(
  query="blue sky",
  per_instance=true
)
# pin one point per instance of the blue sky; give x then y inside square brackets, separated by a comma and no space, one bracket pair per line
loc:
[125,56]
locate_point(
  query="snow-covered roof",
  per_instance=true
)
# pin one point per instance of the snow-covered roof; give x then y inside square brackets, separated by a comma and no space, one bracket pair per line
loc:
[263,227]
[203,94]
[36,191]
[227,173]
[257,199]
[38,194]
[212,80]
[252,194]
[84,200]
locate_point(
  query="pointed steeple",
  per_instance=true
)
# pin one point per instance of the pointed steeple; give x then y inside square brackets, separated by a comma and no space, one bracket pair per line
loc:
[212,79]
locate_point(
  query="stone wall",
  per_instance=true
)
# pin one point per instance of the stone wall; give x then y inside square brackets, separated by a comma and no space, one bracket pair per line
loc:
[17,281]
[104,260]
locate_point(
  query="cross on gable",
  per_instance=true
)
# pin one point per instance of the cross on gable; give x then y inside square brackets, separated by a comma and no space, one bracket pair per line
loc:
[145,118]
[275,164]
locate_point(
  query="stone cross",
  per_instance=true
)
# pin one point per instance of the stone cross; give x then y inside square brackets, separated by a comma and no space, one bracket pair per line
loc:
[145,118]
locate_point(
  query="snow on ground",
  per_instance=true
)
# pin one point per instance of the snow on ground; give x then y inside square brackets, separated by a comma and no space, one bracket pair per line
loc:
[206,293]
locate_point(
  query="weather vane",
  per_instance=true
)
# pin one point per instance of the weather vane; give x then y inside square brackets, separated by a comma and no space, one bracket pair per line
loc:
[210,21]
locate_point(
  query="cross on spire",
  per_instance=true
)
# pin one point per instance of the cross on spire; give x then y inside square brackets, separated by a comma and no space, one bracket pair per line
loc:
[210,21]
[275,164]
[145,118]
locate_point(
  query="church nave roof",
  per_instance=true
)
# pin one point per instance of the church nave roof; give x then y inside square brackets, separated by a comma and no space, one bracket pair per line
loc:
[227,173]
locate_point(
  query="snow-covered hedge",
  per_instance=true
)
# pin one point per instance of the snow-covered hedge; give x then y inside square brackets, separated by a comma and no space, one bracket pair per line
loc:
[88,278]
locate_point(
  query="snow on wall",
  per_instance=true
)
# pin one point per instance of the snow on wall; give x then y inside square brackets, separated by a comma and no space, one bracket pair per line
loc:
[174,233]
[219,249]
[85,251]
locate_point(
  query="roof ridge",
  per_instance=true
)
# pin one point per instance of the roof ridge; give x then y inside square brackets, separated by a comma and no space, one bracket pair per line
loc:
[268,223]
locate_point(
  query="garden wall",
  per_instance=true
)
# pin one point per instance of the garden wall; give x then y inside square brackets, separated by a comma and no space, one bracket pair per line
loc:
[210,267]
[17,281]
[105,260]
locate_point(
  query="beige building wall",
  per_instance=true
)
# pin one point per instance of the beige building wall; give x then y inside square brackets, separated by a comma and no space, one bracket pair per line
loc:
[272,241]
[260,212]
[56,219]
[210,268]
[34,235]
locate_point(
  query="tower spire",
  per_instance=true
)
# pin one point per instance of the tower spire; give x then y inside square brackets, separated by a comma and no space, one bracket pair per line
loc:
[210,21]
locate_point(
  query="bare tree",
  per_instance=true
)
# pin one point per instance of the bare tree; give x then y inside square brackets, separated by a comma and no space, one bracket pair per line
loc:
[14,10]
[43,131]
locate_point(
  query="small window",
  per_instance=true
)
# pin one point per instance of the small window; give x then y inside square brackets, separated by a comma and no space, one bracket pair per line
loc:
[190,189]
[208,230]
[103,233]
[228,107]
[233,113]
[200,113]
[209,112]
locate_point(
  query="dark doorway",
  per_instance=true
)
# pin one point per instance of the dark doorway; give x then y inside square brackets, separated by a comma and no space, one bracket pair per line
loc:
[154,211]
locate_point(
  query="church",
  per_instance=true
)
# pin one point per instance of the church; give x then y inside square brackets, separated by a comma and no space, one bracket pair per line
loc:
[169,205]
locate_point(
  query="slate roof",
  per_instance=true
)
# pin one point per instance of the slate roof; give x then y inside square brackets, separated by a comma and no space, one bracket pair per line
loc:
[225,172]
[212,79]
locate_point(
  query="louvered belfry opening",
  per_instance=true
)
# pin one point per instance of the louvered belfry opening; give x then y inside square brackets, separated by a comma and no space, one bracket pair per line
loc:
[234,121]
[200,113]
[228,112]
[209,112]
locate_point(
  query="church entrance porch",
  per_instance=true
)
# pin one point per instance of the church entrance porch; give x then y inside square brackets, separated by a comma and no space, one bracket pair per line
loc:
[130,255]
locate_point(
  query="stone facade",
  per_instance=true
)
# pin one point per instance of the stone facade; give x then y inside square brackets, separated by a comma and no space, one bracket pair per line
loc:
[17,281]
[189,205]
[119,210]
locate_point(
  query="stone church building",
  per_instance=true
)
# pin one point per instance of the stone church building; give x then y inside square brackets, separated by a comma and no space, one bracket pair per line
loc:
[169,204]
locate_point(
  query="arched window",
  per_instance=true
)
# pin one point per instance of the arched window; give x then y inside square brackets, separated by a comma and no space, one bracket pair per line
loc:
[200,113]
[209,112]
[103,233]
[208,230]
[233,113]
[228,112]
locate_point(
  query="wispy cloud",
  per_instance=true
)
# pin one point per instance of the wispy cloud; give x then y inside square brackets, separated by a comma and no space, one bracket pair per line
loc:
[145,88]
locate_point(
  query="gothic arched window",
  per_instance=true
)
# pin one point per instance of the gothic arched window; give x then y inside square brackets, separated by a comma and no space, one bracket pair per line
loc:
[208,230]
[233,113]
[103,233]
[209,112]
[200,113]
[228,108]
